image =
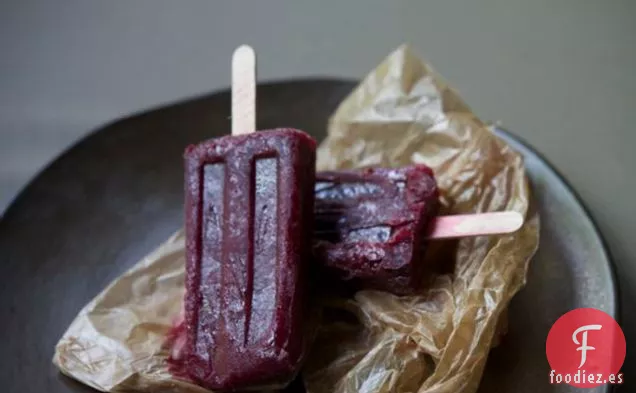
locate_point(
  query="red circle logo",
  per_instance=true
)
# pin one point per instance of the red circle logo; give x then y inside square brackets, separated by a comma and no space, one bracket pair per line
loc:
[585,349]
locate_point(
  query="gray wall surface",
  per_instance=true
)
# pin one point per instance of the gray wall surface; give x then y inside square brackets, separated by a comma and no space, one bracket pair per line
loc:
[558,73]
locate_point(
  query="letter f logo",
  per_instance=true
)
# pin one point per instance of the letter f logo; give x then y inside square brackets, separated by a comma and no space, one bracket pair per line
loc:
[583,344]
[569,344]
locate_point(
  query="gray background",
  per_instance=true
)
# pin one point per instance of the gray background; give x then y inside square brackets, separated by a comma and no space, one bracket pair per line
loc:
[558,73]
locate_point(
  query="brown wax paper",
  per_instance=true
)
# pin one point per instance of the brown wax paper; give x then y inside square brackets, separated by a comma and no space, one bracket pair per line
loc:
[438,340]
[433,342]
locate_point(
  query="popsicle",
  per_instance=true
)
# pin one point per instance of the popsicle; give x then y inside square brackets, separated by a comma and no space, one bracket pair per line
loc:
[249,214]
[371,225]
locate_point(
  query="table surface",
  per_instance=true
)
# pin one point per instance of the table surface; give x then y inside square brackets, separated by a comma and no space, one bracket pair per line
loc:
[558,74]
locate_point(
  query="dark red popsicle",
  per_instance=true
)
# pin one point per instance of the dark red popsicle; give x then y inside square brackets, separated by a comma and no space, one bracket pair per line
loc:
[249,215]
[370,225]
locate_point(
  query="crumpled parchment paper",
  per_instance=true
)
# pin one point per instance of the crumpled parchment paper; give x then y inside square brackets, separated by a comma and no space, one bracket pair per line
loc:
[433,342]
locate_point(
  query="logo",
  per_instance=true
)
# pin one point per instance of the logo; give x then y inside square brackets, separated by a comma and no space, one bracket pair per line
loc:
[586,348]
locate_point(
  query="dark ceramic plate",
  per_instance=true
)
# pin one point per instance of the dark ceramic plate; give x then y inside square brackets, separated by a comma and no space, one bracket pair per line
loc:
[115,195]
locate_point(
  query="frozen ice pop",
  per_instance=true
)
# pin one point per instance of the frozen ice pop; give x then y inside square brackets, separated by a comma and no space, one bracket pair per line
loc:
[249,214]
[248,224]
[370,225]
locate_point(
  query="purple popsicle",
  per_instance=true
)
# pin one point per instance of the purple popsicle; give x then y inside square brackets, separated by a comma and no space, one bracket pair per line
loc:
[370,225]
[249,214]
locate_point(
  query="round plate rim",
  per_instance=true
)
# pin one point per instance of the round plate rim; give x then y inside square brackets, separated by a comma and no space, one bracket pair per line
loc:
[615,289]
[588,215]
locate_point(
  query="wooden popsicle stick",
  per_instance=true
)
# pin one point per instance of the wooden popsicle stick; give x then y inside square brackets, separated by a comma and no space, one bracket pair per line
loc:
[461,225]
[243,90]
